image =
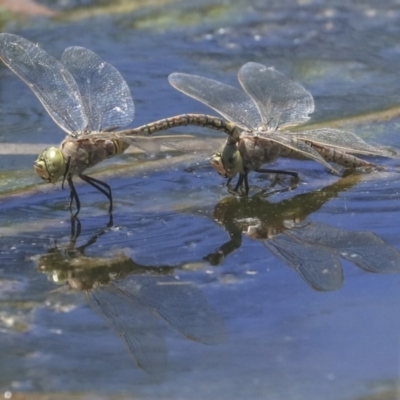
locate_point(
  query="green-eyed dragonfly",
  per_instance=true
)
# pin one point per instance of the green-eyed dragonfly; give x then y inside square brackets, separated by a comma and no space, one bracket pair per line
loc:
[89,99]
[263,111]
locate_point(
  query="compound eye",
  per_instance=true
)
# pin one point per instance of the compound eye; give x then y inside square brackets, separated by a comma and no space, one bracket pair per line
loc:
[217,164]
[41,171]
[50,165]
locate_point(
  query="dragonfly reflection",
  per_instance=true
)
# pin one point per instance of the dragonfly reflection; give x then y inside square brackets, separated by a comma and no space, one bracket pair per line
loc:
[264,110]
[89,99]
[312,249]
[134,299]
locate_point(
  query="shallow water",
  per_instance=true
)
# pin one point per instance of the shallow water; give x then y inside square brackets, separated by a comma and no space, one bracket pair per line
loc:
[215,295]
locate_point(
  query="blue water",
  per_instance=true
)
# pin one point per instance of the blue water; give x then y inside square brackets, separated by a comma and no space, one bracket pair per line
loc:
[272,335]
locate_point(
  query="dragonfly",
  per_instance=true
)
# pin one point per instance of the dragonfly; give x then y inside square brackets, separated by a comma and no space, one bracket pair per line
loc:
[264,112]
[89,99]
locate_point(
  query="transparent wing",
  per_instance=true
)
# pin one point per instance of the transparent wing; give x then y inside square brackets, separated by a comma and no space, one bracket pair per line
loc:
[134,323]
[364,249]
[318,265]
[49,80]
[155,144]
[189,143]
[232,103]
[106,96]
[280,101]
[296,145]
[344,141]
[181,304]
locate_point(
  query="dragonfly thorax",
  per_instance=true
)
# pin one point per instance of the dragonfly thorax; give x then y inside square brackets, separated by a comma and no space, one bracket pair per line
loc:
[50,165]
[228,162]
[256,151]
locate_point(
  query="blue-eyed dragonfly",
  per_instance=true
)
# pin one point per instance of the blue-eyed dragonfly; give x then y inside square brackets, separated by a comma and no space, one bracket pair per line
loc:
[89,99]
[269,104]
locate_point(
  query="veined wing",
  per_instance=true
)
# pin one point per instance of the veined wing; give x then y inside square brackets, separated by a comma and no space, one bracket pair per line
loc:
[232,103]
[280,101]
[155,144]
[54,86]
[345,141]
[364,249]
[318,265]
[181,304]
[106,96]
[296,145]
[134,323]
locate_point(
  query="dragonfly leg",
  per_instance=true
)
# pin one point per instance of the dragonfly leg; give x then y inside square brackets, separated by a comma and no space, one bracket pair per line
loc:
[242,178]
[278,171]
[239,182]
[76,229]
[66,171]
[101,187]
[73,196]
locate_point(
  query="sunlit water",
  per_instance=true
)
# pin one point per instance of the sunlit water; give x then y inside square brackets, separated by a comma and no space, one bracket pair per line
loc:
[226,317]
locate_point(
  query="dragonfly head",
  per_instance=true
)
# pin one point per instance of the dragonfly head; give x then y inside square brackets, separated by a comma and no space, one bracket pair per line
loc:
[216,162]
[228,162]
[50,165]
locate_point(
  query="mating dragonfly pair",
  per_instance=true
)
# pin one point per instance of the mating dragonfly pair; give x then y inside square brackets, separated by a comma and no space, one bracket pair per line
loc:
[89,99]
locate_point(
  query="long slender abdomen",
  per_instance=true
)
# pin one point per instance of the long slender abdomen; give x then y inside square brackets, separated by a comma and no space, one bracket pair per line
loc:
[341,158]
[331,155]
[205,121]
[119,146]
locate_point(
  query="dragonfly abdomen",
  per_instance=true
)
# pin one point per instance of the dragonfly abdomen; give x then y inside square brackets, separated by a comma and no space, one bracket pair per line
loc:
[119,146]
[341,158]
[203,120]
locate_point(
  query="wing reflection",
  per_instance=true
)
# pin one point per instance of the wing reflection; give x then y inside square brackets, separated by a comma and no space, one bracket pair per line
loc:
[132,298]
[313,249]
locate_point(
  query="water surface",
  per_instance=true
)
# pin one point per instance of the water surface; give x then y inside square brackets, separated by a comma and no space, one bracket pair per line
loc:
[180,242]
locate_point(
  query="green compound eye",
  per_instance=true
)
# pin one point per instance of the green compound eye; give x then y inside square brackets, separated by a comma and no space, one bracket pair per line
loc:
[50,165]
[232,160]
[217,164]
